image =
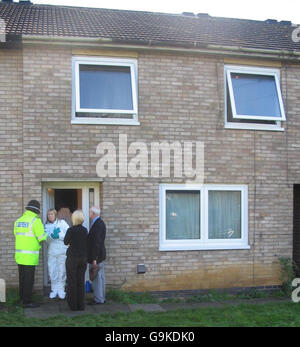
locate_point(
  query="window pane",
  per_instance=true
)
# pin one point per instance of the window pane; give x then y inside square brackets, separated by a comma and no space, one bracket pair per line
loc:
[244,121]
[105,87]
[224,214]
[182,215]
[91,197]
[255,95]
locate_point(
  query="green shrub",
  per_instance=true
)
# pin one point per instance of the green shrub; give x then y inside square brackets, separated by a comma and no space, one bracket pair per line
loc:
[288,272]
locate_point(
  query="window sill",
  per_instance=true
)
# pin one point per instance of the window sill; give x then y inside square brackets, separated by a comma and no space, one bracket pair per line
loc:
[107,121]
[203,247]
[253,127]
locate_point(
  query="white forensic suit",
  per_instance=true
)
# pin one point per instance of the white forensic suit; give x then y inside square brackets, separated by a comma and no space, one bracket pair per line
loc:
[57,256]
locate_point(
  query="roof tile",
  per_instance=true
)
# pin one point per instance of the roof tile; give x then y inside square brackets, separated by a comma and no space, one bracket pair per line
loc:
[145,26]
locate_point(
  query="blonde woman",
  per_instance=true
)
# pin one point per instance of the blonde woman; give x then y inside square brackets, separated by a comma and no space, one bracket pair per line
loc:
[76,263]
[56,230]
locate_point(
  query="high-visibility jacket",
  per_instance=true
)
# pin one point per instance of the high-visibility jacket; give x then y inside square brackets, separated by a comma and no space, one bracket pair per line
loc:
[29,232]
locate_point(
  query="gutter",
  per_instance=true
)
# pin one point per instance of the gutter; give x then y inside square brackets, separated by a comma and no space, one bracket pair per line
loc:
[161,46]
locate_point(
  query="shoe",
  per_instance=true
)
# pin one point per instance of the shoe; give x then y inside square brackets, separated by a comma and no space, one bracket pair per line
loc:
[62,295]
[96,303]
[52,295]
[31,305]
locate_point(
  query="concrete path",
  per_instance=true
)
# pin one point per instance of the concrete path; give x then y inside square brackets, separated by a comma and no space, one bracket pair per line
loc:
[60,307]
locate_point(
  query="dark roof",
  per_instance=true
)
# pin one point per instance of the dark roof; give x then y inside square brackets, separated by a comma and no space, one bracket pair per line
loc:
[142,27]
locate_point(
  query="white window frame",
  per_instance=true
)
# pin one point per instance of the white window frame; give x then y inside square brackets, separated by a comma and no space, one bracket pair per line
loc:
[255,71]
[204,243]
[132,64]
[228,69]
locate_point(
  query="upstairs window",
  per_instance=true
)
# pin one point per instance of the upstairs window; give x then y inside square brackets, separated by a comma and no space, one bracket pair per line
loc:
[253,97]
[104,91]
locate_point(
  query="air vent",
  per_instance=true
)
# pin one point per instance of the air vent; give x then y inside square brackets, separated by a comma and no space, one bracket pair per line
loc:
[188,14]
[271,21]
[201,15]
[285,22]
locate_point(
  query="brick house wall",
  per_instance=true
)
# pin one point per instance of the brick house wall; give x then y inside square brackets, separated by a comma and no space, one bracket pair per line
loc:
[181,98]
[11,154]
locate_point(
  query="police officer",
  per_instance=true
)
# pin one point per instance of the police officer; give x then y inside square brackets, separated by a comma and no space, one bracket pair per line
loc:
[29,232]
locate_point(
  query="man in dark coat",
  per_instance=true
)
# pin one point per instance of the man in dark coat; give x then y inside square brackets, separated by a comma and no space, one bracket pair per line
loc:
[97,254]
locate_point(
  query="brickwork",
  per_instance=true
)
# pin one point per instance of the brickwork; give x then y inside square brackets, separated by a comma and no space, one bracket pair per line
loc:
[11,156]
[181,98]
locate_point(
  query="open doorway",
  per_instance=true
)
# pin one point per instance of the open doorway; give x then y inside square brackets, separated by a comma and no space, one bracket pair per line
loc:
[66,197]
[65,202]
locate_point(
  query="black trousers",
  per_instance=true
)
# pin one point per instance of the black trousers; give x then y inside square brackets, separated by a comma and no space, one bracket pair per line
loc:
[26,280]
[75,268]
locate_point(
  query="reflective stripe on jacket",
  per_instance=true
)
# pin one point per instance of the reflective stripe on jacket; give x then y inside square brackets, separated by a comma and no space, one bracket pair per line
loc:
[29,232]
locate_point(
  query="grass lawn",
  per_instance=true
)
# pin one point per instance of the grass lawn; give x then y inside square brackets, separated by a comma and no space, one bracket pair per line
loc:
[284,314]
[244,315]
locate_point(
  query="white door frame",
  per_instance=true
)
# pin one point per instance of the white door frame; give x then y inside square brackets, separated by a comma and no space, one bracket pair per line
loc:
[84,186]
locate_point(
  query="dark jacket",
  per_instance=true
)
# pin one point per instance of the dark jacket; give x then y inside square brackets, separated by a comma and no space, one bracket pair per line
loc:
[76,237]
[96,239]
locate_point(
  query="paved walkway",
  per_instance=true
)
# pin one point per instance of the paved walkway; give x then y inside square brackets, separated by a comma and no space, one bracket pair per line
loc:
[60,307]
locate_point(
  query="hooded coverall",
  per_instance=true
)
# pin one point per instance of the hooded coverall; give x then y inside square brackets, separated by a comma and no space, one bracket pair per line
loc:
[57,256]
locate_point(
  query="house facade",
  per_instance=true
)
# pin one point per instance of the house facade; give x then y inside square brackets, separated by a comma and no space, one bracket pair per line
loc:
[88,96]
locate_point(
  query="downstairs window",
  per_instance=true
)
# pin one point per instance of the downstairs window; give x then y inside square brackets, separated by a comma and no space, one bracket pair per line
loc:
[195,217]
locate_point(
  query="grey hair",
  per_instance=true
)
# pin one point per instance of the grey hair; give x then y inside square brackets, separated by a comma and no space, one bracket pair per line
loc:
[96,210]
